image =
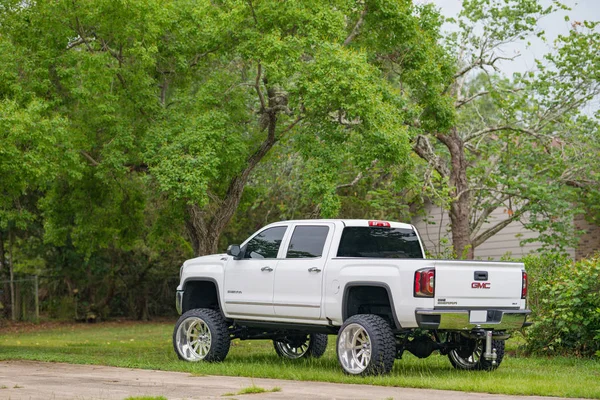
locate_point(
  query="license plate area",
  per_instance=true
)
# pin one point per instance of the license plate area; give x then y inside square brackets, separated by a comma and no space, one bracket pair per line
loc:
[478,316]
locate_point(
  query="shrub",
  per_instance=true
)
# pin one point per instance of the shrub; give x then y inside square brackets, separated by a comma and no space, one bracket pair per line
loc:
[566,305]
[541,270]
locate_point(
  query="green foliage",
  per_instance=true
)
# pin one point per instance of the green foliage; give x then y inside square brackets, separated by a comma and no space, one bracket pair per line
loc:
[542,270]
[567,308]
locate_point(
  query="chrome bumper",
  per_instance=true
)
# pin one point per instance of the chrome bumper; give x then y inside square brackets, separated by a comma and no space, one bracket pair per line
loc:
[469,319]
[179,301]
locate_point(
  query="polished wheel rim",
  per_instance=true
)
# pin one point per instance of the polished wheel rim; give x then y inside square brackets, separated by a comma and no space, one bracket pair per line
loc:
[291,351]
[193,339]
[470,361]
[354,349]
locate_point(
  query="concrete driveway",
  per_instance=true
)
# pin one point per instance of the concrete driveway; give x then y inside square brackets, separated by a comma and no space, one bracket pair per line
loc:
[43,381]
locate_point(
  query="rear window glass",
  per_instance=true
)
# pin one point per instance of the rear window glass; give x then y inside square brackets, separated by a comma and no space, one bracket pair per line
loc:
[379,243]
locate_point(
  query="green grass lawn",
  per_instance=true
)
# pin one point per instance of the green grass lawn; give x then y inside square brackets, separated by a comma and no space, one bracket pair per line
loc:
[148,345]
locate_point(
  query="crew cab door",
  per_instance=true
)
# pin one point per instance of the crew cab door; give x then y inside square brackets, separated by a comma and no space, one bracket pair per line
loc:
[249,281]
[298,289]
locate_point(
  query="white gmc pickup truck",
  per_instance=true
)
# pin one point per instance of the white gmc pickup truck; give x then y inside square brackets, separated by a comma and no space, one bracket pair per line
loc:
[295,282]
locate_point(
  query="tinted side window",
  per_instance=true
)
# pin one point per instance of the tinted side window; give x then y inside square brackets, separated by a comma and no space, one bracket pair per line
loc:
[265,244]
[379,243]
[307,242]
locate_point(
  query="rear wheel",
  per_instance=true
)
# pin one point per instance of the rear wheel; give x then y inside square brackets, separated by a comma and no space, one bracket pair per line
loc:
[469,356]
[366,345]
[294,347]
[201,334]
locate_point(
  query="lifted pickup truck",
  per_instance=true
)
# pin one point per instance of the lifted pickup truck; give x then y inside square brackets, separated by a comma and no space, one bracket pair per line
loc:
[295,282]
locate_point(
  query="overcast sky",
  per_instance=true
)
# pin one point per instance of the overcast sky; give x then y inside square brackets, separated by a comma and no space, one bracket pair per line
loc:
[554,25]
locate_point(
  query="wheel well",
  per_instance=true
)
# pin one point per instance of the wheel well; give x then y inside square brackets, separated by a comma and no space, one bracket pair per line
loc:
[200,294]
[369,300]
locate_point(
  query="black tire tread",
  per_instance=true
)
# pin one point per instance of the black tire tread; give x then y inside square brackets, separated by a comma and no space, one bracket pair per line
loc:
[486,365]
[483,364]
[219,330]
[316,347]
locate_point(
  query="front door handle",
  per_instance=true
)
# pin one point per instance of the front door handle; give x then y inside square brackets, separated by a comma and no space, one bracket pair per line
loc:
[266,269]
[314,269]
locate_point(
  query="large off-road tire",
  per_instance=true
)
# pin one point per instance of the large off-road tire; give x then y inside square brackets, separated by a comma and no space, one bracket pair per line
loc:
[201,334]
[366,345]
[301,346]
[469,356]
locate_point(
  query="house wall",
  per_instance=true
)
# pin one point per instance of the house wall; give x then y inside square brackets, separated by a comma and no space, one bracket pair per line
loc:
[434,230]
[589,242]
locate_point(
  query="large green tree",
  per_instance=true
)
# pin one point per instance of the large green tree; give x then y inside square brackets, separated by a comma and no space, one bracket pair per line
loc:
[305,73]
[163,111]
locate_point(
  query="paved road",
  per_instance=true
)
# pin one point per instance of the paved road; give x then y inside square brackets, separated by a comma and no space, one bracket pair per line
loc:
[43,381]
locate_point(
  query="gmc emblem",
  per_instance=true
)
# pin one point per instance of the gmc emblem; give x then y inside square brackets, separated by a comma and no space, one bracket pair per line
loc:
[481,285]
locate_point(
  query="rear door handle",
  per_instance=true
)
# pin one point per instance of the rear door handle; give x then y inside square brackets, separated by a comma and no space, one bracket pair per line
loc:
[314,269]
[266,269]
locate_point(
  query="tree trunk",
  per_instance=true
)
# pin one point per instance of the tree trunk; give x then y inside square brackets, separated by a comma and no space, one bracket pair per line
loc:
[205,225]
[5,292]
[204,238]
[11,242]
[460,203]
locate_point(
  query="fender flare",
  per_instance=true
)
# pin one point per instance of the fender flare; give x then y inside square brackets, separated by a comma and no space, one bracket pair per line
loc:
[211,280]
[385,286]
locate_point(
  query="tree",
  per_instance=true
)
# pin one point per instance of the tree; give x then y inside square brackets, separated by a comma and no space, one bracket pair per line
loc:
[516,143]
[305,72]
[103,228]
[197,95]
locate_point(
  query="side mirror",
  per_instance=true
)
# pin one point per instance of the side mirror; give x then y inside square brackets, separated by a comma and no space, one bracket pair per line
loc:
[234,250]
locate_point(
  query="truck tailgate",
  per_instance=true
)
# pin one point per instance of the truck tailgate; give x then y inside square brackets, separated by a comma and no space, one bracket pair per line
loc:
[474,284]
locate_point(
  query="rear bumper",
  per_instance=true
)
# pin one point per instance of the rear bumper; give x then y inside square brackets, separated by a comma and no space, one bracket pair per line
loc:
[469,319]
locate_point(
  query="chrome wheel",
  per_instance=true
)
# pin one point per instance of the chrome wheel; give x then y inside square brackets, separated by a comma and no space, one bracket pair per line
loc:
[193,339]
[291,351]
[467,361]
[354,349]
[469,354]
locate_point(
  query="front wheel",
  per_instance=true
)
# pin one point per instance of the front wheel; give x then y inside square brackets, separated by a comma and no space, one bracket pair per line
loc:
[201,334]
[294,347]
[366,345]
[469,356]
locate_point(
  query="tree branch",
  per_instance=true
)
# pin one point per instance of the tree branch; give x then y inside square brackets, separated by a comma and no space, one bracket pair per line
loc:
[291,126]
[486,213]
[356,29]
[93,162]
[261,97]
[491,129]
[462,102]
[424,150]
[496,228]
[199,56]
[358,177]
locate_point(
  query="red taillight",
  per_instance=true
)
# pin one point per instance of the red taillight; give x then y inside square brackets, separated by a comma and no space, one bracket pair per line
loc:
[424,282]
[524,288]
[380,224]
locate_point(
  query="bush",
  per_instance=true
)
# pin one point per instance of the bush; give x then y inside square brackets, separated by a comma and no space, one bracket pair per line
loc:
[565,300]
[541,270]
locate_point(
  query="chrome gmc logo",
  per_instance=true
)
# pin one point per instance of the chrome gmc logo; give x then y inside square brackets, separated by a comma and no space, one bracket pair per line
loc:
[481,285]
